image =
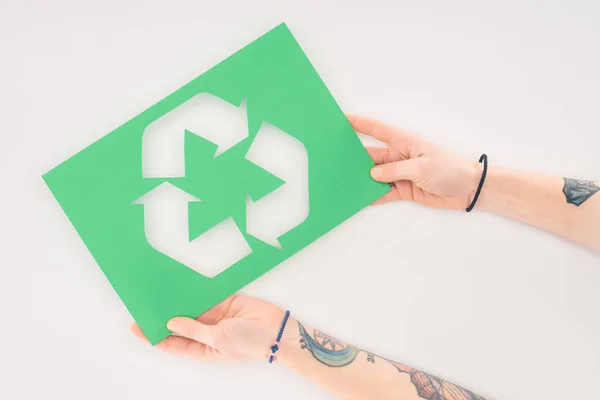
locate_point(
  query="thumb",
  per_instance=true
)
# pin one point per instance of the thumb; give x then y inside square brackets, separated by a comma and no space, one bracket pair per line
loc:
[195,330]
[398,171]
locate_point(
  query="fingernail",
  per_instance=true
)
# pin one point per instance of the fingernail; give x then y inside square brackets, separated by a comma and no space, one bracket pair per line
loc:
[172,325]
[376,172]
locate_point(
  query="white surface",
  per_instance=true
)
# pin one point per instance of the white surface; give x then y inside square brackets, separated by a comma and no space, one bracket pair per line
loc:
[503,309]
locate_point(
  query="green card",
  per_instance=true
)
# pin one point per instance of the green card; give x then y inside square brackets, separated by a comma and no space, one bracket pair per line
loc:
[289,169]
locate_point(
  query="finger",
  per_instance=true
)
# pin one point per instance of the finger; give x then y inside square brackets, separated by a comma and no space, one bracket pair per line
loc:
[380,155]
[192,329]
[183,346]
[176,344]
[397,171]
[137,331]
[386,198]
[371,127]
[179,345]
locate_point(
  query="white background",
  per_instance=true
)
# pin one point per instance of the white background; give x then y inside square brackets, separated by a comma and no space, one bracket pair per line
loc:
[501,308]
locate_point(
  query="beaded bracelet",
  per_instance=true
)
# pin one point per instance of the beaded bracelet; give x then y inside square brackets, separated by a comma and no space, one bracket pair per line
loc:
[275,347]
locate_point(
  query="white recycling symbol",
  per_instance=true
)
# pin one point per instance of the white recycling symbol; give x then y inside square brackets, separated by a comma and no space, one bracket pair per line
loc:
[166,206]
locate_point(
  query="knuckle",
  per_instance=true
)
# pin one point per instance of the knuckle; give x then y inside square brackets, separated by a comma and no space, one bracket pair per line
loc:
[190,332]
[397,168]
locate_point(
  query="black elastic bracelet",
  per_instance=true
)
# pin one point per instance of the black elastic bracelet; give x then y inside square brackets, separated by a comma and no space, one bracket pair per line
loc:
[483,159]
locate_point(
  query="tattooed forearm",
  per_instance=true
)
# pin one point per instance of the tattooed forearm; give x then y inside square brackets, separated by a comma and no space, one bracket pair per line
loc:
[335,353]
[578,191]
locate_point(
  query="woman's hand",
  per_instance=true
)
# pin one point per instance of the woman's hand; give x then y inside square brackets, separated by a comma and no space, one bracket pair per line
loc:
[420,171]
[237,329]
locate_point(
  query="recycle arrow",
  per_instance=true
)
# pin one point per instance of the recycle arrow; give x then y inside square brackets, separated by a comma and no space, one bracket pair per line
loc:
[166,206]
[205,115]
[167,230]
[287,207]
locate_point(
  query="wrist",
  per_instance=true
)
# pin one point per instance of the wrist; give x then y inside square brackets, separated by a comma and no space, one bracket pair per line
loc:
[473,177]
[494,190]
[289,343]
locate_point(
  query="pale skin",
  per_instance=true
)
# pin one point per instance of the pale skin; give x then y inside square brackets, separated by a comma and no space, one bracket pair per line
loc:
[244,328]
[430,175]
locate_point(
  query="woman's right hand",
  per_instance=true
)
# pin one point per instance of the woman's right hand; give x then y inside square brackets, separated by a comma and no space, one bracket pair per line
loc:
[419,170]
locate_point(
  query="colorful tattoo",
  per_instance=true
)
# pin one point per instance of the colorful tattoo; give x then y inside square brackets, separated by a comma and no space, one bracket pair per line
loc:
[327,349]
[431,387]
[335,353]
[577,191]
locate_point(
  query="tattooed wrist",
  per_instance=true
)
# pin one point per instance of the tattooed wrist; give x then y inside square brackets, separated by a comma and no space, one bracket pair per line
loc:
[578,191]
